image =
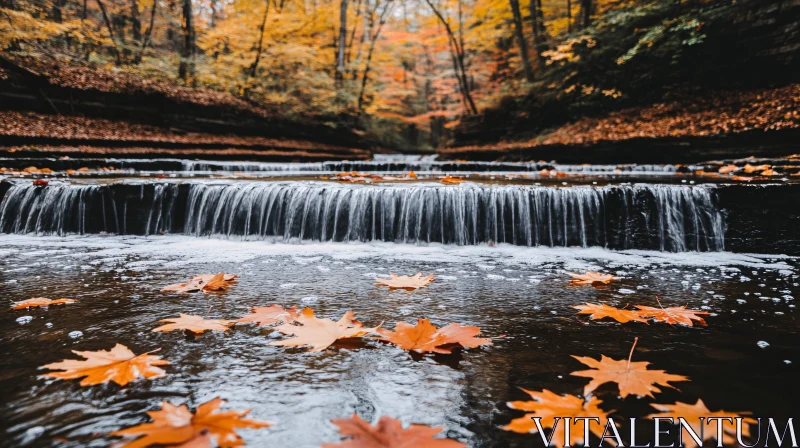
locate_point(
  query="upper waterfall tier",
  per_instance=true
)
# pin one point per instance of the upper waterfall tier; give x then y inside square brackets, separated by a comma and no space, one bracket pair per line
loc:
[663,217]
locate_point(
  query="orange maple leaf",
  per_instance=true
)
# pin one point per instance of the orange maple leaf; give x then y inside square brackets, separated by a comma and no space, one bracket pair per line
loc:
[119,365]
[194,324]
[753,168]
[204,282]
[451,180]
[39,301]
[728,169]
[672,315]
[692,414]
[320,333]
[388,433]
[631,377]
[548,406]
[409,283]
[590,277]
[425,337]
[269,315]
[599,311]
[176,425]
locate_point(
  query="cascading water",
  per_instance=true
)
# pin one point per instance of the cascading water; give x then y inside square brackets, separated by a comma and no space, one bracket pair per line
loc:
[663,217]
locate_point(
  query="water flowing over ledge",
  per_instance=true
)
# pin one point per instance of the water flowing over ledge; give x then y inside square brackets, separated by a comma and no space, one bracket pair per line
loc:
[660,217]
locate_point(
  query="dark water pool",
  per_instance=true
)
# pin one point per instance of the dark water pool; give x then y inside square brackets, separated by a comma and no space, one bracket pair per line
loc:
[520,292]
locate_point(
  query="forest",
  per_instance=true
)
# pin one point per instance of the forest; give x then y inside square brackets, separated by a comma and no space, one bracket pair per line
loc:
[421,74]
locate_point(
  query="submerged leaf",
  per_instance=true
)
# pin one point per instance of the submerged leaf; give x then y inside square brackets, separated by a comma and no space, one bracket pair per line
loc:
[194,324]
[590,277]
[388,433]
[409,283]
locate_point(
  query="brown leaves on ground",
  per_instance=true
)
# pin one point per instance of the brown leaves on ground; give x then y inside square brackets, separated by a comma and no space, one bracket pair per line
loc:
[119,365]
[548,406]
[205,282]
[692,414]
[40,301]
[388,433]
[672,315]
[270,315]
[598,311]
[633,378]
[426,338]
[194,324]
[177,426]
[450,180]
[320,333]
[590,277]
[409,283]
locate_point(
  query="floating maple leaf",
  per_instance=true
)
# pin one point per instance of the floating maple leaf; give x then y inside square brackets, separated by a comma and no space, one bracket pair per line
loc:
[39,301]
[388,433]
[176,425]
[204,282]
[728,169]
[425,337]
[548,406]
[119,365]
[451,180]
[269,315]
[320,333]
[194,324]
[672,315]
[632,377]
[590,277]
[409,283]
[599,311]
[753,168]
[692,414]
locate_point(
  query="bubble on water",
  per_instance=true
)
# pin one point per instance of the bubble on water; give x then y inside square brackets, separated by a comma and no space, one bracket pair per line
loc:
[32,434]
[287,285]
[512,279]
[48,325]
[762,344]
[495,277]
[741,300]
[370,274]
[780,313]
[626,291]
[485,267]
[447,277]
[75,334]
[24,320]
[788,298]
[786,361]
[310,299]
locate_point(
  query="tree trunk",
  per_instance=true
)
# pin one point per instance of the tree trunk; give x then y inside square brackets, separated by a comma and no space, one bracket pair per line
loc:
[340,67]
[523,44]
[110,31]
[260,46]
[586,13]
[58,5]
[136,24]
[539,31]
[374,39]
[147,33]
[186,67]
[569,16]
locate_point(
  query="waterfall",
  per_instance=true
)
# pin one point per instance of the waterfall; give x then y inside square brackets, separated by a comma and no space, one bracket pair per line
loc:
[661,217]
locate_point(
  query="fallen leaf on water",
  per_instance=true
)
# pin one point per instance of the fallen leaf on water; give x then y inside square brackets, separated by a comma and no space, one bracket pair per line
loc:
[177,426]
[426,338]
[753,168]
[269,315]
[633,378]
[320,333]
[409,283]
[692,414]
[119,365]
[769,172]
[728,169]
[672,315]
[590,277]
[548,406]
[742,178]
[388,433]
[204,282]
[451,180]
[40,183]
[412,175]
[39,301]
[599,311]
[194,324]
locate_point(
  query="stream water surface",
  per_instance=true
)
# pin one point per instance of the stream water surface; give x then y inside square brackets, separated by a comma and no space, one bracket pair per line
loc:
[516,287]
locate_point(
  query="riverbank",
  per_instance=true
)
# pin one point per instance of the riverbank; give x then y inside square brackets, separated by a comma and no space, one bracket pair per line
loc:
[723,125]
